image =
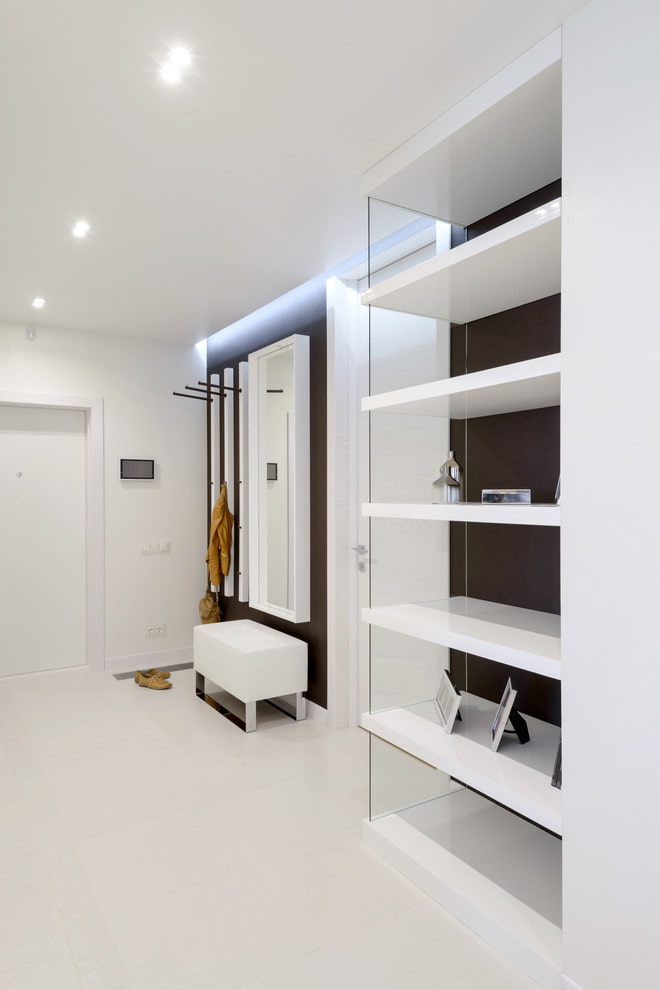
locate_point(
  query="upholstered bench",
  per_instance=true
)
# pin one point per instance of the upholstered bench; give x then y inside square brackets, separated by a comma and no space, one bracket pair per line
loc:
[253,663]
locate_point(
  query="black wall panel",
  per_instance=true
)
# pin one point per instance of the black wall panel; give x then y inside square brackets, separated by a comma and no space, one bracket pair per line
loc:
[514,565]
[302,311]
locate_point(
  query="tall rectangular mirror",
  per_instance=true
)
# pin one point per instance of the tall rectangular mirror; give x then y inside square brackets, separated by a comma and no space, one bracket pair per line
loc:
[279,478]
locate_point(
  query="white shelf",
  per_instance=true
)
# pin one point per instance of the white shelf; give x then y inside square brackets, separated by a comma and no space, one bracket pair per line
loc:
[521,637]
[509,266]
[407,842]
[499,143]
[516,776]
[532,384]
[536,514]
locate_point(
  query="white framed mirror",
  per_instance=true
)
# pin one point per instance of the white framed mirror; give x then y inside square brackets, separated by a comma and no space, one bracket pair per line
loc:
[279,478]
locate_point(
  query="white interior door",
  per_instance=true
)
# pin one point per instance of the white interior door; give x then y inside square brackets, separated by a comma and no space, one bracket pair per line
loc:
[42,538]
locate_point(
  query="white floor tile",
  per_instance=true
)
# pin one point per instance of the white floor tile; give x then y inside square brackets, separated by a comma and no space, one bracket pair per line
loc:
[27,908]
[146,843]
[313,884]
[312,972]
[44,964]
[383,956]
[215,934]
[130,865]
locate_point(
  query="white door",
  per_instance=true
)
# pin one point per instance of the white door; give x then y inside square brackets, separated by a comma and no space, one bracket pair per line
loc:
[42,538]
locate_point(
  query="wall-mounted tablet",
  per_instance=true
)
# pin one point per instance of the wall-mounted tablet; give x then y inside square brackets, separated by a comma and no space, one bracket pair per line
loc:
[136,469]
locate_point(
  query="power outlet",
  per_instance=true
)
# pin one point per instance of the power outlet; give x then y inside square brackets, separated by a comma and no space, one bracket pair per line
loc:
[159,629]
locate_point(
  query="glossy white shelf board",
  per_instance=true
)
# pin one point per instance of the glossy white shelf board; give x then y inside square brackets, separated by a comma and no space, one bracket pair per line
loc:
[499,143]
[536,514]
[409,842]
[517,776]
[532,384]
[521,637]
[509,266]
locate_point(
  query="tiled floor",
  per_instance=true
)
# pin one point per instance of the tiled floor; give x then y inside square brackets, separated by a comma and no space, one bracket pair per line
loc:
[146,843]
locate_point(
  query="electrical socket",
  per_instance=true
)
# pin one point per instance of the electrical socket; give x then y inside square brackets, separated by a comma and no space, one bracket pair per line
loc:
[158,629]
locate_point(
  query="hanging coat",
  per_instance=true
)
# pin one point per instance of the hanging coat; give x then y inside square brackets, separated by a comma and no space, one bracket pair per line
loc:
[218,555]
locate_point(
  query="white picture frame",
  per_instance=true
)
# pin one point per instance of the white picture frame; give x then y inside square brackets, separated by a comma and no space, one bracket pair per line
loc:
[447,701]
[502,715]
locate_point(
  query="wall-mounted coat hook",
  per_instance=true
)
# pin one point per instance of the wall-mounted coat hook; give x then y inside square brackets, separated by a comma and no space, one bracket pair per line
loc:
[228,388]
[202,398]
[191,388]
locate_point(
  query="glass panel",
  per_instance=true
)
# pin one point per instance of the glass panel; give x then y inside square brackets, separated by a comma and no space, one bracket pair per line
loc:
[409,561]
[405,670]
[399,781]
[406,349]
[505,848]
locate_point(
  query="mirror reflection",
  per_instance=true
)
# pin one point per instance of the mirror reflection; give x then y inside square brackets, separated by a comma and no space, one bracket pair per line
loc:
[279,462]
[278,403]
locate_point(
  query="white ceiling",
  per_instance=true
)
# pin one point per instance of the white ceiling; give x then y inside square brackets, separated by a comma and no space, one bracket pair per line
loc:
[211,198]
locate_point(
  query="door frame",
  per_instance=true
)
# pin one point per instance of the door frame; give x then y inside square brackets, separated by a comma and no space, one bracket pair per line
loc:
[92,406]
[347,635]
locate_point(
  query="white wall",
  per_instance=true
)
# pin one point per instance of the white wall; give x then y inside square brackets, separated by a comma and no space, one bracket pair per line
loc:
[135,378]
[610,484]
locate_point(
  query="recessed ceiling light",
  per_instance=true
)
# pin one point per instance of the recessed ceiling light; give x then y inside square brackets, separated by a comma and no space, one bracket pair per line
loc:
[80,228]
[180,56]
[170,72]
[38,302]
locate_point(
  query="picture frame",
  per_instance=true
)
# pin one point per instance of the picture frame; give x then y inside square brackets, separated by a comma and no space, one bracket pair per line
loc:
[502,715]
[556,773]
[506,496]
[447,701]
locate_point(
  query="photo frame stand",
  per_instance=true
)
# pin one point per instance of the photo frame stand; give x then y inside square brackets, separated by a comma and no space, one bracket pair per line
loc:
[519,726]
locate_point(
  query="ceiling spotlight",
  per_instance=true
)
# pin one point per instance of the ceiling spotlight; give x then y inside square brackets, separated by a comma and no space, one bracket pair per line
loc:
[170,72]
[80,228]
[180,56]
[38,302]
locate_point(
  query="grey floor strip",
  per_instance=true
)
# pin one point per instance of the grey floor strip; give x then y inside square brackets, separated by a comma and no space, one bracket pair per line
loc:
[125,675]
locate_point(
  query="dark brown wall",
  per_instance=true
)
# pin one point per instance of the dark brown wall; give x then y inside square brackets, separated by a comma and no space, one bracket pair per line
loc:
[515,565]
[302,311]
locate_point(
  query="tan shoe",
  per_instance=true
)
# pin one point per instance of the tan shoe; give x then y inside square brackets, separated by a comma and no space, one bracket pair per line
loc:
[154,681]
[152,673]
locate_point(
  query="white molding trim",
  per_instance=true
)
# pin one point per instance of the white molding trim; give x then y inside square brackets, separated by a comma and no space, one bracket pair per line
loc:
[214,487]
[144,661]
[228,468]
[344,313]
[95,511]
[243,484]
[316,713]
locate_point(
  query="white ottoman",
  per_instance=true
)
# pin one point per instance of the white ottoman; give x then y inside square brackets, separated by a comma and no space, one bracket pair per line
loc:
[251,661]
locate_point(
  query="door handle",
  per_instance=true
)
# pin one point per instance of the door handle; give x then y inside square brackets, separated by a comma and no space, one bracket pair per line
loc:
[360,548]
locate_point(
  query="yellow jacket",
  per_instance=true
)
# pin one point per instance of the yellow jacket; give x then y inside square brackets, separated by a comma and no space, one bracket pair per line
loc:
[218,554]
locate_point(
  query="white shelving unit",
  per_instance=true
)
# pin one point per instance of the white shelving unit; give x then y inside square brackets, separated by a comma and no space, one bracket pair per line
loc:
[534,514]
[521,637]
[498,145]
[518,778]
[473,280]
[525,935]
[509,388]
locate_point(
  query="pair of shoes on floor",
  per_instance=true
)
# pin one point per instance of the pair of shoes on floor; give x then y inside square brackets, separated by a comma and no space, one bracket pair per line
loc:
[154,678]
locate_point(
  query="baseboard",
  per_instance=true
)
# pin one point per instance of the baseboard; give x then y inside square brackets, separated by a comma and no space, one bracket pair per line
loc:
[569,984]
[144,661]
[317,713]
